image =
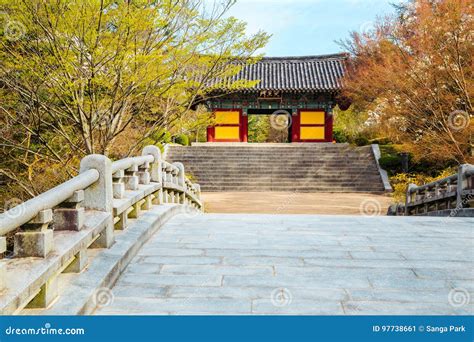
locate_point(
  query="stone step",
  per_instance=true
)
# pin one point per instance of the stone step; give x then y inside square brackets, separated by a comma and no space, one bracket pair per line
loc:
[278,174]
[268,151]
[281,175]
[289,181]
[301,171]
[318,187]
[242,162]
[271,156]
[299,181]
[181,149]
[205,180]
[273,153]
[293,185]
[280,167]
[280,164]
[288,189]
[313,178]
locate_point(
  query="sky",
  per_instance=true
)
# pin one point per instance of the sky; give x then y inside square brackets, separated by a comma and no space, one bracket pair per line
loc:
[308,27]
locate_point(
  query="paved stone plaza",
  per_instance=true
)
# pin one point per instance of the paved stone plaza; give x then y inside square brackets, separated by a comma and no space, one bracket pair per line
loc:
[272,202]
[301,264]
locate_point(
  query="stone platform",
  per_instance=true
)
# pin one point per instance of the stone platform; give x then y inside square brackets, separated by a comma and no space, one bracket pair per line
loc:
[301,264]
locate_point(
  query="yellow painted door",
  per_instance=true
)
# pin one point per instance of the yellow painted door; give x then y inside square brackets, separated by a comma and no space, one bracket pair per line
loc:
[227,126]
[312,125]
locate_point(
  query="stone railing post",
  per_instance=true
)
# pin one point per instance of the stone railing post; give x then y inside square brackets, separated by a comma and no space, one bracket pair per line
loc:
[155,167]
[131,178]
[118,184]
[461,184]
[156,173]
[198,190]
[70,214]
[181,197]
[35,238]
[408,198]
[144,174]
[180,176]
[99,196]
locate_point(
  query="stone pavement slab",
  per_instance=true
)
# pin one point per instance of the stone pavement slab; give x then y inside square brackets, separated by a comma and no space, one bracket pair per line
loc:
[301,264]
[273,202]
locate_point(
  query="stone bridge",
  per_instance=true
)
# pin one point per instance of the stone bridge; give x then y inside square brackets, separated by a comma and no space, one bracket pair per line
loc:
[130,237]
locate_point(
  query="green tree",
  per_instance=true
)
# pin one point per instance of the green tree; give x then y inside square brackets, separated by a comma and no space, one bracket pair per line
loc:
[76,74]
[258,128]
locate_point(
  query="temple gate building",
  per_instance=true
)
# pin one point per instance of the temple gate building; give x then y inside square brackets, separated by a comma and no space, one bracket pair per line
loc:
[304,89]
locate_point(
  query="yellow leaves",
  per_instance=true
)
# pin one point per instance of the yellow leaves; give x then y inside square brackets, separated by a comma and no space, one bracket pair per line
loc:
[401,181]
[89,68]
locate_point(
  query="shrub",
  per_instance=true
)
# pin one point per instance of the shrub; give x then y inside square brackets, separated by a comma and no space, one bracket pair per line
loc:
[161,135]
[400,182]
[361,140]
[182,139]
[339,136]
[191,177]
[392,163]
[381,141]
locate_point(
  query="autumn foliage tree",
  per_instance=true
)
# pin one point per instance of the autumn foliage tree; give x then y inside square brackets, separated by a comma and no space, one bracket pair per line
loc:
[413,73]
[76,75]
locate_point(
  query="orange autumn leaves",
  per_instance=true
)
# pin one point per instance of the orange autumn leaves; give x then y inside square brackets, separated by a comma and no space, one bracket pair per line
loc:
[413,74]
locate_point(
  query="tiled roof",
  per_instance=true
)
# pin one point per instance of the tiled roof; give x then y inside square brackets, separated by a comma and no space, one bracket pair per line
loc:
[309,73]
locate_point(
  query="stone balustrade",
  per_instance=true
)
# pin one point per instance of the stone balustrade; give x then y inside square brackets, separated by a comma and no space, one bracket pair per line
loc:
[53,230]
[453,195]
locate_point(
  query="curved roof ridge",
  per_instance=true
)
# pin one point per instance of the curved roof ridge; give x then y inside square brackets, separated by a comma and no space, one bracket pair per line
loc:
[296,73]
[341,55]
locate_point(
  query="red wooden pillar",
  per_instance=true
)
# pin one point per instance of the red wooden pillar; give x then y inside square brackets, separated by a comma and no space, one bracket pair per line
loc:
[329,124]
[244,124]
[210,134]
[295,127]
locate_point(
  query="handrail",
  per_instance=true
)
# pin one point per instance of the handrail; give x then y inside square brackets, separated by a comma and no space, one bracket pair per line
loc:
[26,211]
[449,195]
[97,202]
[126,163]
[10,220]
[433,183]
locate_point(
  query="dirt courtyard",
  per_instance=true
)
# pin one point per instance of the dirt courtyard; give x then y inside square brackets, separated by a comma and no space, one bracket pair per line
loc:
[296,203]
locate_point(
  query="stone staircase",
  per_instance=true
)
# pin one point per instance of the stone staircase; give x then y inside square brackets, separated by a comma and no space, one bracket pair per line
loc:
[280,167]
